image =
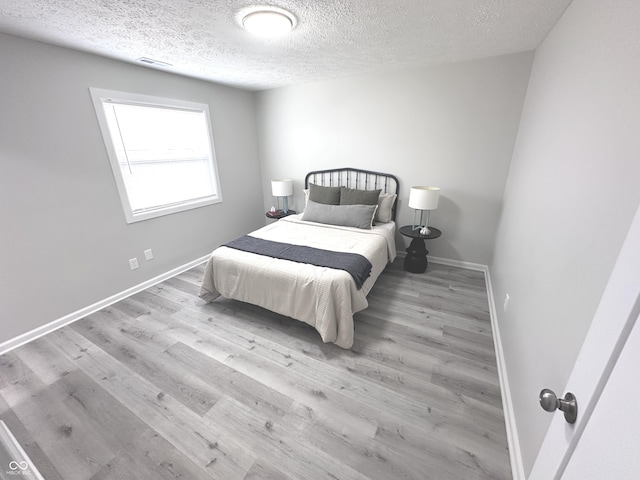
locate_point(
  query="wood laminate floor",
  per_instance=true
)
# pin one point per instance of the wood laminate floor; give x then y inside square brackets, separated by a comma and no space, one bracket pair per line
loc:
[164,386]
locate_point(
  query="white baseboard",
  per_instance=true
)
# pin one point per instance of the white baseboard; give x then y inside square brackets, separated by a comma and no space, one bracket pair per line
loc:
[83,312]
[446,261]
[515,455]
[459,263]
[513,441]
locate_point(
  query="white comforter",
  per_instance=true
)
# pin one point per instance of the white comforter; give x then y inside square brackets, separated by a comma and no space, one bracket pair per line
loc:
[322,297]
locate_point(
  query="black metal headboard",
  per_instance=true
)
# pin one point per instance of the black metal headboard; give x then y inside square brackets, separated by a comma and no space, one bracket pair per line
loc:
[355,178]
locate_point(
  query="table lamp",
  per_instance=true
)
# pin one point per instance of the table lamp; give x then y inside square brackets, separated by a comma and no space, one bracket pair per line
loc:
[282,188]
[423,198]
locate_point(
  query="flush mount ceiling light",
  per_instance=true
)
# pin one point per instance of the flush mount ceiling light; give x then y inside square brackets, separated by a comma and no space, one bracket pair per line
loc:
[268,22]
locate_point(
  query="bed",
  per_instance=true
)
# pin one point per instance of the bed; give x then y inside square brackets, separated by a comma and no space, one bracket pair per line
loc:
[325,297]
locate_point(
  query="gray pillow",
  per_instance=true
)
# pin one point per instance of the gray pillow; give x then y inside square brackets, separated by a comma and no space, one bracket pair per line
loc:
[359,216]
[326,195]
[352,196]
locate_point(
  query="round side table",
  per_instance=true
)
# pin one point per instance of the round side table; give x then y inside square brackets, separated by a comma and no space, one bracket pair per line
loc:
[416,259]
[279,214]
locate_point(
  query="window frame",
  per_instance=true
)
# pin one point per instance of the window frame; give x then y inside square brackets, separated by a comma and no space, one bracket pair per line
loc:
[101,96]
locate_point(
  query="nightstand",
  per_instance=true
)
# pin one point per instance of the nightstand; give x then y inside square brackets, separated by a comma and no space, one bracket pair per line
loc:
[416,259]
[279,214]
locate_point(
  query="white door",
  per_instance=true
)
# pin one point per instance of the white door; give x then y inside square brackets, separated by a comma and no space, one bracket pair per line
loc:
[609,445]
[612,324]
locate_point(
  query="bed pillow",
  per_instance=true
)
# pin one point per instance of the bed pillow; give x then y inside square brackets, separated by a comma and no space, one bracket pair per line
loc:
[326,195]
[384,213]
[352,196]
[359,216]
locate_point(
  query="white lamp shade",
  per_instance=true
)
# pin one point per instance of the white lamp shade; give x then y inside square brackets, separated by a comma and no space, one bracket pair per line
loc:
[282,187]
[424,198]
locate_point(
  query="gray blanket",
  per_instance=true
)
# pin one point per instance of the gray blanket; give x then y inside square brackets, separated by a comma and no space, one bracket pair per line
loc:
[355,264]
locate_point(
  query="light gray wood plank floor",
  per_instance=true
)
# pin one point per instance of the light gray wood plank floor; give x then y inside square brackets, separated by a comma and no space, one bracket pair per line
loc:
[164,386]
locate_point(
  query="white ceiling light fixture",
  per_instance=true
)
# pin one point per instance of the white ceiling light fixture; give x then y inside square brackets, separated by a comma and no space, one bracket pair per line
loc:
[268,22]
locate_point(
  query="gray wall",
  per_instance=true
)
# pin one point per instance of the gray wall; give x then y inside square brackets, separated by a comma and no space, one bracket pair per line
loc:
[64,242]
[451,126]
[573,187]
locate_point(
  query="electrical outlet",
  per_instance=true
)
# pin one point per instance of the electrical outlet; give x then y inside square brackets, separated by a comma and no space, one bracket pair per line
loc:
[148,254]
[506,302]
[133,263]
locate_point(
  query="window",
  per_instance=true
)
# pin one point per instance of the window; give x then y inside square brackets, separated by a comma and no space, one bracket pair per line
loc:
[161,153]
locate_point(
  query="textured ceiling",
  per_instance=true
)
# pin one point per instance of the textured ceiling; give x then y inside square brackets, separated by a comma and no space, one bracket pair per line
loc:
[332,38]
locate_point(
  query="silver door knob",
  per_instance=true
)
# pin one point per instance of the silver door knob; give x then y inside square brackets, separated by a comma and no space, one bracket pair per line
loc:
[569,405]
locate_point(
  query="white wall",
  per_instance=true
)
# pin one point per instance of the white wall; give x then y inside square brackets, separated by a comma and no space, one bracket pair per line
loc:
[572,190]
[64,242]
[451,126]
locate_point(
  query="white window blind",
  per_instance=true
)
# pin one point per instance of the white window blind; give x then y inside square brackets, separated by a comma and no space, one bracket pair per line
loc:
[161,153]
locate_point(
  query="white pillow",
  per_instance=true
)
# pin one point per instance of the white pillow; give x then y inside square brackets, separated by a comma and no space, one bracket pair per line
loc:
[384,213]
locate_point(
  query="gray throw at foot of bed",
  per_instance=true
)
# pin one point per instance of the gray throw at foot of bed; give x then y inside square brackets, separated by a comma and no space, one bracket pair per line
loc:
[356,265]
